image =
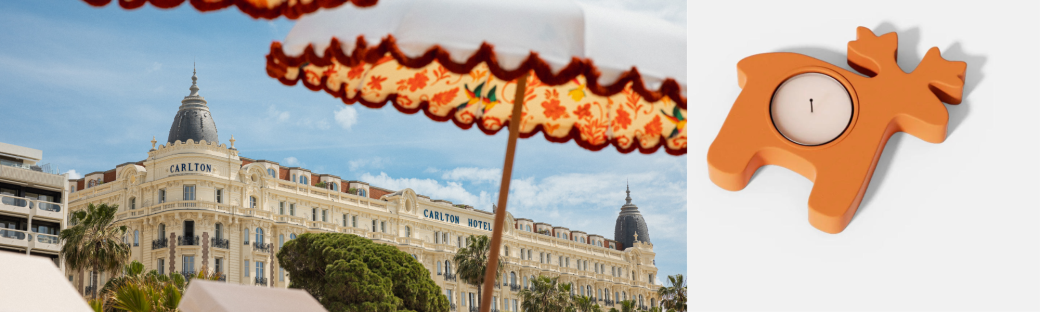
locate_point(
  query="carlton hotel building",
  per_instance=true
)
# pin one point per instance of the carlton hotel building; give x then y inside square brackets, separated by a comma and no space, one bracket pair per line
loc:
[195,204]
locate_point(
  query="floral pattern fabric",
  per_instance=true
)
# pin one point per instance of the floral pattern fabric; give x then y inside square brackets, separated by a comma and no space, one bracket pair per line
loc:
[561,112]
[266,9]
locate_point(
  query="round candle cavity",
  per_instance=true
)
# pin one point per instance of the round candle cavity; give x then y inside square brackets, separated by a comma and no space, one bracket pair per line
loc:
[811,109]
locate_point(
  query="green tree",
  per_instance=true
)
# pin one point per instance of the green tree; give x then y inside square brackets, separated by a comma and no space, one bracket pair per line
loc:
[346,272]
[94,243]
[471,262]
[546,294]
[628,306]
[585,304]
[673,296]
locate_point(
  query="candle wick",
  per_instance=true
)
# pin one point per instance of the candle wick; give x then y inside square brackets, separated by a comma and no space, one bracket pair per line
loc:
[810,106]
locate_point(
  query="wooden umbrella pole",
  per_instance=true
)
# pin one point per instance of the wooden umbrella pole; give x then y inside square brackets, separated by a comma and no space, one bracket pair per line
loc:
[503,195]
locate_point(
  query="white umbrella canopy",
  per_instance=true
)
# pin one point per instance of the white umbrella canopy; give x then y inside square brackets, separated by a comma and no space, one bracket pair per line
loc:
[601,76]
[574,70]
[30,283]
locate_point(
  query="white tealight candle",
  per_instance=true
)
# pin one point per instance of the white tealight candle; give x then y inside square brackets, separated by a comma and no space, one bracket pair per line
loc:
[811,109]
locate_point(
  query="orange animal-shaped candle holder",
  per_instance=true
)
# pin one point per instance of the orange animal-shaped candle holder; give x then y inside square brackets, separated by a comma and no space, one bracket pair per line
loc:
[828,124]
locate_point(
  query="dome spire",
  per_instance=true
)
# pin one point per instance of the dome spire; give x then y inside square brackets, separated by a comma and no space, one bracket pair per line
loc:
[194,88]
[628,194]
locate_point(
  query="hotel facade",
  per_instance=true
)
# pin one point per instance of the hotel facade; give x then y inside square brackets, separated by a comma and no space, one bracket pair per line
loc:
[32,202]
[195,204]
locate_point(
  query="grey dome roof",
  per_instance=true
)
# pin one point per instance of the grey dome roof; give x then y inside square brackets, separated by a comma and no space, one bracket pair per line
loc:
[629,224]
[193,120]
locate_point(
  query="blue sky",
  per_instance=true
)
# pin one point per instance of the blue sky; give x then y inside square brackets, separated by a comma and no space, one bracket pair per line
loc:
[91,87]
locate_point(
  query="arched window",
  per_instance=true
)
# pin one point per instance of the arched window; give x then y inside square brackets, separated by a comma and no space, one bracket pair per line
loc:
[259,236]
[525,281]
[512,278]
[624,296]
[220,231]
[281,240]
[272,173]
[588,290]
[304,180]
[252,201]
[133,203]
[447,266]
[245,235]
[438,268]
[162,230]
[136,236]
[292,236]
[294,178]
[528,228]
[640,300]
[362,193]
[407,231]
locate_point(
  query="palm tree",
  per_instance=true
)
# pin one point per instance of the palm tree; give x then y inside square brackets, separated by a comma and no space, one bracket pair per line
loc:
[586,304]
[628,306]
[673,297]
[94,243]
[135,291]
[546,295]
[471,262]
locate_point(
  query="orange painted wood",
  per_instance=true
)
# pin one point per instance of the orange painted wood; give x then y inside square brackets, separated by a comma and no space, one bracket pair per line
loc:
[885,101]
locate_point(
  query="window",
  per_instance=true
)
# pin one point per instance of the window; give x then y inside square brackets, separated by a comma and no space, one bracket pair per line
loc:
[188,266]
[292,209]
[515,306]
[541,257]
[259,269]
[450,299]
[294,178]
[437,237]
[259,236]
[438,268]
[507,251]
[353,221]
[162,230]
[162,266]
[314,214]
[219,267]
[382,226]
[362,193]
[281,208]
[407,231]
[245,236]
[373,225]
[522,254]
[334,186]
[220,231]
[162,196]
[303,179]
[528,254]
[459,239]
[245,269]
[528,228]
[344,220]
[272,173]
[252,201]
[133,203]
[189,192]
[650,278]
[292,236]
[281,274]
[219,196]
[136,240]
[324,214]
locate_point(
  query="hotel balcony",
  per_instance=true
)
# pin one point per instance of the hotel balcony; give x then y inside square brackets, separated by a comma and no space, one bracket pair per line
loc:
[39,178]
[260,281]
[187,241]
[29,207]
[46,242]
[160,243]
[261,247]
[15,238]
[220,243]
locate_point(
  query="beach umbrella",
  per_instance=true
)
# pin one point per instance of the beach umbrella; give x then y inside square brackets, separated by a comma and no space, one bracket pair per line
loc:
[571,70]
[266,9]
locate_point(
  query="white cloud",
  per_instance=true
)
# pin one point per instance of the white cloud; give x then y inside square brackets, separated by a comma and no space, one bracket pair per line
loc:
[372,163]
[292,161]
[74,175]
[274,113]
[475,175]
[346,117]
[451,191]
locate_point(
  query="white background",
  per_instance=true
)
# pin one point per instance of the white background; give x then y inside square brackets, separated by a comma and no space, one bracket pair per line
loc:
[950,226]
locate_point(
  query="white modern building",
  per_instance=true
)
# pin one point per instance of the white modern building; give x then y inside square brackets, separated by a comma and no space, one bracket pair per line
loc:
[32,204]
[195,204]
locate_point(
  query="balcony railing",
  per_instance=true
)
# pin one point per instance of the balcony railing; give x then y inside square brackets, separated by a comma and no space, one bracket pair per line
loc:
[608,302]
[260,281]
[220,243]
[514,287]
[46,239]
[449,277]
[188,275]
[188,241]
[453,307]
[222,278]
[160,243]
[49,206]
[261,247]
[14,201]
[88,290]
[12,234]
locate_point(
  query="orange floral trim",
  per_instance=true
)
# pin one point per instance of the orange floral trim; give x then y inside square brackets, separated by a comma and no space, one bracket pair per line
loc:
[254,8]
[485,54]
